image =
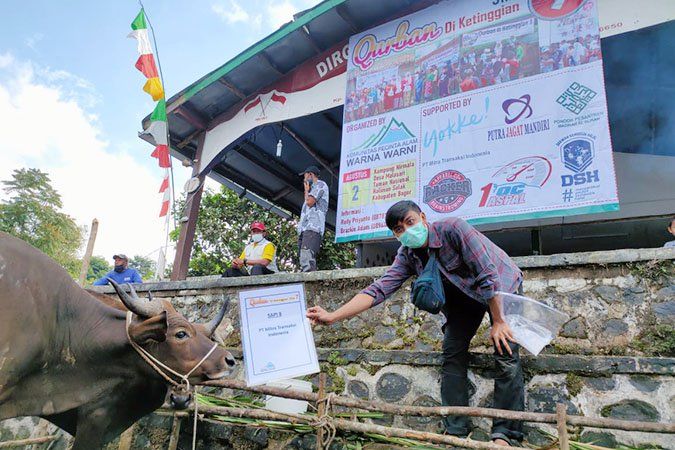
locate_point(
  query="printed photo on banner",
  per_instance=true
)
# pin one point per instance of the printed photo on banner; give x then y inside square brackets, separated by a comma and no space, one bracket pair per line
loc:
[467,107]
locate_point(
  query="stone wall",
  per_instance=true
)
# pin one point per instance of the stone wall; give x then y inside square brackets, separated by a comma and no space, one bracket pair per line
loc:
[614,358]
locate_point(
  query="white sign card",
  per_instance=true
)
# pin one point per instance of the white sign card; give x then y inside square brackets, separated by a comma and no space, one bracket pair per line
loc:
[276,336]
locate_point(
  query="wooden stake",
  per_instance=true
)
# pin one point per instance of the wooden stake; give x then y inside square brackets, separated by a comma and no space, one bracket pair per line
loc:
[348,425]
[321,409]
[88,252]
[23,442]
[429,411]
[127,438]
[175,432]
[561,415]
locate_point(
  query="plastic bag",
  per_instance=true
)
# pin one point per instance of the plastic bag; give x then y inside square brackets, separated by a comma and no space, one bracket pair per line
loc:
[534,324]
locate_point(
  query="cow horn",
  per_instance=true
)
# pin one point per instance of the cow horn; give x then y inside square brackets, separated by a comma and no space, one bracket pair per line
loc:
[135,304]
[213,324]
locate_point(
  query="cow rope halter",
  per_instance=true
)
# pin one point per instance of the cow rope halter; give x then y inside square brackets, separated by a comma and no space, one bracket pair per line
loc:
[159,365]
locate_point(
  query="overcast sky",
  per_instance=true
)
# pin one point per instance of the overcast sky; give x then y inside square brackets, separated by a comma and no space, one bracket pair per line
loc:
[71,100]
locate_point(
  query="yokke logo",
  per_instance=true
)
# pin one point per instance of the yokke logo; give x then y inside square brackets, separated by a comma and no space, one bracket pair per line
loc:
[577,153]
[447,191]
[555,9]
[516,108]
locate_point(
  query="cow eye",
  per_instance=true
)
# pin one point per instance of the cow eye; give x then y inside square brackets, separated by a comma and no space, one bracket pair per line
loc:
[181,335]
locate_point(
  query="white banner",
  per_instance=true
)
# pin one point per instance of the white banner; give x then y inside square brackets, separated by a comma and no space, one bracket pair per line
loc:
[512,126]
[273,319]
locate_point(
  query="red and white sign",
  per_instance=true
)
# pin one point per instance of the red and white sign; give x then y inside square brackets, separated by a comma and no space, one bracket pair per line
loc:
[316,85]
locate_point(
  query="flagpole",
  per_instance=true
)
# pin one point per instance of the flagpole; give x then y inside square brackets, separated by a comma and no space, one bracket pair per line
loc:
[168,136]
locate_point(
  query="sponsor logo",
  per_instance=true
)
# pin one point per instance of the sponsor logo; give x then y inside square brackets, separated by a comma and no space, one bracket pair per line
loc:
[517,109]
[390,141]
[393,132]
[464,121]
[511,182]
[577,153]
[576,97]
[267,367]
[555,9]
[447,191]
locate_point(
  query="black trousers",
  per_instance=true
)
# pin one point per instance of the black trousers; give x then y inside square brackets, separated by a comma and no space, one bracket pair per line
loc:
[464,316]
[258,269]
[309,244]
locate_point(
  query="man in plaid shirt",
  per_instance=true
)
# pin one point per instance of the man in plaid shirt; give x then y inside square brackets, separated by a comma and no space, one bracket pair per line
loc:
[473,270]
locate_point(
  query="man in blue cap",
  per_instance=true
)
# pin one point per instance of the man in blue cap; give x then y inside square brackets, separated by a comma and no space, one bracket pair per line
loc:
[121,273]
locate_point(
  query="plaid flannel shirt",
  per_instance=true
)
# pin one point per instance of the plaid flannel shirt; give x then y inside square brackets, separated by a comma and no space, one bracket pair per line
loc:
[467,259]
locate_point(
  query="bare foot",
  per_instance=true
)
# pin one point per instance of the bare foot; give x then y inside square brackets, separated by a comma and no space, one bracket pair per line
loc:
[502,442]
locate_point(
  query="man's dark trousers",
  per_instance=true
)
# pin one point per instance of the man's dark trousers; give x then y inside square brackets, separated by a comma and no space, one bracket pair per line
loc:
[464,316]
[258,269]
[309,244]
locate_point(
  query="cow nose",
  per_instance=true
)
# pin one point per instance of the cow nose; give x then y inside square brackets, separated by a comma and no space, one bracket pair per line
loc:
[180,401]
[230,361]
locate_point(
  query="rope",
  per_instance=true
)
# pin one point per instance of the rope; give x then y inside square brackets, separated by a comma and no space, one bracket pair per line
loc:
[194,423]
[156,364]
[325,421]
[159,365]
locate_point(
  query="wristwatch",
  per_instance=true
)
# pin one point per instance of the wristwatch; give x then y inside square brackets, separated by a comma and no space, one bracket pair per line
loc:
[244,261]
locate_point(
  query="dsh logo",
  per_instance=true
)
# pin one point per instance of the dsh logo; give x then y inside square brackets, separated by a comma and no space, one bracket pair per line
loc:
[513,114]
[447,191]
[577,154]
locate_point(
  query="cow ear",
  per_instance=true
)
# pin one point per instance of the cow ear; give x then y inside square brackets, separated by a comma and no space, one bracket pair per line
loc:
[152,329]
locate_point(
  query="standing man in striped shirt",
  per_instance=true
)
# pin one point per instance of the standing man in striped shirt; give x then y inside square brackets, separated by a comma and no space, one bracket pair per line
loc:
[473,269]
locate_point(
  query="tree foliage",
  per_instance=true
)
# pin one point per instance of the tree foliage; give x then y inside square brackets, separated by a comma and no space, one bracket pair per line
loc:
[145,266]
[33,213]
[223,231]
[98,267]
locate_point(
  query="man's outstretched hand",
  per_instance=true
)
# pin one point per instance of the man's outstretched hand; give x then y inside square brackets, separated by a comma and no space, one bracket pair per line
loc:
[319,316]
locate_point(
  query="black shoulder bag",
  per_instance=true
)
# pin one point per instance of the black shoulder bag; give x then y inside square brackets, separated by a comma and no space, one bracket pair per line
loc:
[427,291]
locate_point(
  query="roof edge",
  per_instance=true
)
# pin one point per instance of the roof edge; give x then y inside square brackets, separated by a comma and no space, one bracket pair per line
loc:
[190,91]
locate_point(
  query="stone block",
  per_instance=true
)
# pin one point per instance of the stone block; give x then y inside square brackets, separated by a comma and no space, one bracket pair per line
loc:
[631,409]
[358,389]
[423,423]
[536,437]
[614,327]
[384,334]
[664,312]
[392,387]
[599,438]
[609,294]
[600,383]
[644,383]
[545,398]
[665,294]
[575,328]
[257,436]
[633,295]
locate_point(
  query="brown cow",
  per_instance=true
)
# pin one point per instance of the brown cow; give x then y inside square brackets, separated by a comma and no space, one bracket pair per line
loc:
[65,356]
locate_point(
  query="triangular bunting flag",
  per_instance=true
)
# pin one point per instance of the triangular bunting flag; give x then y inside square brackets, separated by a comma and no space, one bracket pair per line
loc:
[161,152]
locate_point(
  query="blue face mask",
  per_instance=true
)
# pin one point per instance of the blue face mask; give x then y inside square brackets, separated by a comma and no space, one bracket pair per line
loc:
[415,236]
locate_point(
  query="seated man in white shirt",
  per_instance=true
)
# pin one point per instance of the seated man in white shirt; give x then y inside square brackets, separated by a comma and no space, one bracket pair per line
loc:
[258,258]
[671,230]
